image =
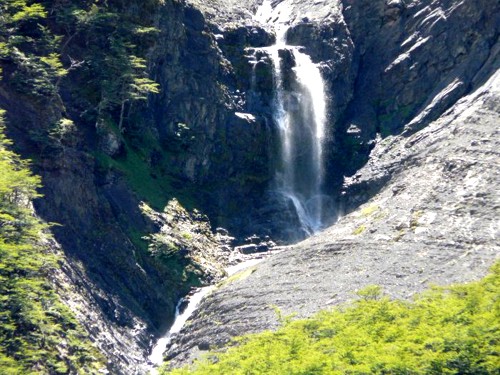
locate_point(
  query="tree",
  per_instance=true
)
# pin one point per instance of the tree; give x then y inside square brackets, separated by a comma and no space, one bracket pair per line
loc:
[28,44]
[126,80]
[33,321]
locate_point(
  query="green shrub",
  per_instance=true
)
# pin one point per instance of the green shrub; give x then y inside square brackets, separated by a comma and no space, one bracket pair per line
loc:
[453,330]
[38,333]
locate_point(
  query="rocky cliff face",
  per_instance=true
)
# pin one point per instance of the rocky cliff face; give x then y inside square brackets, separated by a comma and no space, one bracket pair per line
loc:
[414,91]
[226,157]
[433,221]
[102,278]
[390,67]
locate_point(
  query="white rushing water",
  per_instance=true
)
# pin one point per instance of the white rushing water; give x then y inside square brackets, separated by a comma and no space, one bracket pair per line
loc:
[156,356]
[300,112]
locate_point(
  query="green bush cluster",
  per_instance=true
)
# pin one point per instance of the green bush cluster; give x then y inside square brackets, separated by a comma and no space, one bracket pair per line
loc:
[29,46]
[43,41]
[38,333]
[453,330]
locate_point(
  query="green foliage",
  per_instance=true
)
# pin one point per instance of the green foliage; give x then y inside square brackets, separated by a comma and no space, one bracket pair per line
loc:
[124,79]
[371,292]
[17,189]
[30,46]
[38,334]
[452,330]
[146,167]
[140,175]
[25,12]
[359,230]
[110,39]
[54,64]
[63,129]
[370,210]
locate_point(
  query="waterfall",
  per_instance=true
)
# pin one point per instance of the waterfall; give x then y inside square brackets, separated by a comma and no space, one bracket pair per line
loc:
[300,113]
[156,357]
[181,317]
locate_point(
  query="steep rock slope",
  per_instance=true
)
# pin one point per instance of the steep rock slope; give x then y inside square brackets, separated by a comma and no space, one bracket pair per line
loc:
[435,221]
[416,59]
[431,189]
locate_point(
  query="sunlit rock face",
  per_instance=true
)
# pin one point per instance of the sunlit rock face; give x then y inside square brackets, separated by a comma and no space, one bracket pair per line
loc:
[410,141]
[432,221]
[384,64]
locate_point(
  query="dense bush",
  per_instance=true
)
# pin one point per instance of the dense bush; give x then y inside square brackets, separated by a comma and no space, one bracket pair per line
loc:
[452,330]
[38,333]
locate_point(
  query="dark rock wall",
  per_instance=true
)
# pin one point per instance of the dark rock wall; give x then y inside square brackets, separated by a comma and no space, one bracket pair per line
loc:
[389,62]
[225,157]
[410,52]
[415,60]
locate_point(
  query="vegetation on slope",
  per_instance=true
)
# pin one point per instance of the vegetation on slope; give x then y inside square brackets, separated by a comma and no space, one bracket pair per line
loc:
[86,60]
[43,41]
[38,333]
[452,330]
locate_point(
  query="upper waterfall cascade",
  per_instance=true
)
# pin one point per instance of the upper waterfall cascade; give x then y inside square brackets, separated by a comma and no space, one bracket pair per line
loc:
[300,113]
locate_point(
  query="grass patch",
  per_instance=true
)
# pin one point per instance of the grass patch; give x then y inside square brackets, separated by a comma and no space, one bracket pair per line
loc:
[415,218]
[359,230]
[370,210]
[140,176]
[242,275]
[152,184]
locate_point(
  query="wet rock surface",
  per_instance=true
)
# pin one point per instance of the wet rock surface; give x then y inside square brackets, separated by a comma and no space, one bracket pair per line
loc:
[433,221]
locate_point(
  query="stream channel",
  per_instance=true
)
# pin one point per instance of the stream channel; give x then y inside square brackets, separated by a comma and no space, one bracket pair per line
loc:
[193,301]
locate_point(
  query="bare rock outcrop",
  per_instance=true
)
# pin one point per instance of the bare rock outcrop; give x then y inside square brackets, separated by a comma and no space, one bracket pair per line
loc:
[432,221]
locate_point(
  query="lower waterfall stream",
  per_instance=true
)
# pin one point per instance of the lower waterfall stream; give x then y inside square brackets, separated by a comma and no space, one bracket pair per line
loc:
[156,356]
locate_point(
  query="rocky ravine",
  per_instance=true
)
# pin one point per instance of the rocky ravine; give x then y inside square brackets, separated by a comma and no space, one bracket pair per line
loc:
[387,64]
[434,221]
